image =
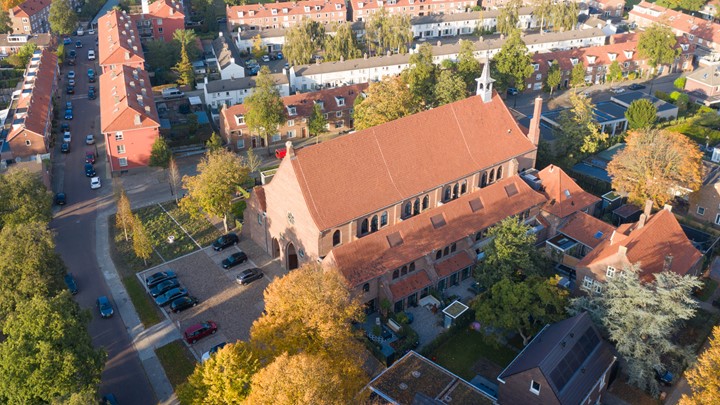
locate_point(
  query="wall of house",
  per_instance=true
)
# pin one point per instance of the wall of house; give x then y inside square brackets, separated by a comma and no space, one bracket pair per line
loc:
[38,144]
[707,201]
[598,272]
[232,71]
[169,26]
[694,85]
[516,389]
[138,144]
[246,44]
[233,97]
[413,9]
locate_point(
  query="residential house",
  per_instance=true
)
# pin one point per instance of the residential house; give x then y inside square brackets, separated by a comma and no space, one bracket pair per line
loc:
[566,363]
[705,203]
[272,39]
[30,131]
[227,65]
[128,118]
[698,31]
[710,9]
[703,85]
[119,42]
[10,43]
[389,209]
[336,104]
[160,19]
[286,14]
[609,8]
[362,10]
[465,23]
[30,17]
[234,91]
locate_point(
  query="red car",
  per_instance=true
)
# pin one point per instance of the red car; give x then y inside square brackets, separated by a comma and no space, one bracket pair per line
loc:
[199,331]
[280,153]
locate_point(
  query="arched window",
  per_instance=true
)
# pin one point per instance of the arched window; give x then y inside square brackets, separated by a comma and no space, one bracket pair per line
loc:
[456,191]
[408,209]
[383,219]
[412,267]
[499,173]
[374,224]
[446,251]
[396,274]
[483,180]
[364,227]
[416,206]
[447,194]
[491,178]
[426,203]
[453,247]
[366,287]
[403,271]
[336,238]
[438,255]
[463,187]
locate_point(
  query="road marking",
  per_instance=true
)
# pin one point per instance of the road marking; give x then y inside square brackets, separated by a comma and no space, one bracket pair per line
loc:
[178,224]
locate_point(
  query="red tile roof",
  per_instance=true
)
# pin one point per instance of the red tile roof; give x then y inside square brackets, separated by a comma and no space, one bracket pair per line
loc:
[587,229]
[29,8]
[690,25]
[166,9]
[123,105]
[371,256]
[354,175]
[564,196]
[115,29]
[453,264]
[288,8]
[409,285]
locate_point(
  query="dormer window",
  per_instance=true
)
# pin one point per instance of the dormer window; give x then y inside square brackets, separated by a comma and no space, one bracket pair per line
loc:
[574,61]
[591,59]
[321,104]
[628,54]
[273,11]
[684,47]
[612,56]
[240,119]
[252,13]
[361,5]
[340,101]
[338,7]
[285,10]
[241,13]
[318,8]
[307,9]
[536,66]
[292,110]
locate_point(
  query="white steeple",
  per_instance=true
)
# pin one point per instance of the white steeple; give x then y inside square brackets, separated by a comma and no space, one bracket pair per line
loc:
[484,84]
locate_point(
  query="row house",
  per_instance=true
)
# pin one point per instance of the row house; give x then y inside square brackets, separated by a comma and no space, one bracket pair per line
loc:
[160,20]
[609,8]
[286,14]
[30,17]
[119,42]
[371,69]
[10,43]
[362,10]
[233,91]
[451,25]
[710,9]
[223,57]
[703,85]
[30,131]
[402,207]
[697,30]
[272,39]
[336,105]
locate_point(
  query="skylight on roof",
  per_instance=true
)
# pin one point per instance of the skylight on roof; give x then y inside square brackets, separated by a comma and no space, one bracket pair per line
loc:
[476,204]
[567,193]
[598,235]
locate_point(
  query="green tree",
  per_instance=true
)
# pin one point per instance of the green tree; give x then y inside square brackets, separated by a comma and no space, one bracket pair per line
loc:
[214,143]
[388,32]
[554,77]
[468,66]
[47,352]
[343,44]
[420,77]
[679,83]
[26,52]
[449,88]
[220,175]
[513,64]
[578,133]
[614,72]
[62,18]
[5,23]
[265,109]
[142,245]
[302,41]
[386,100]
[657,45]
[523,307]
[160,153]
[124,217]
[542,10]
[160,58]
[642,113]
[23,198]
[508,17]
[641,318]
[317,124]
[577,75]
[564,15]
[184,68]
[258,49]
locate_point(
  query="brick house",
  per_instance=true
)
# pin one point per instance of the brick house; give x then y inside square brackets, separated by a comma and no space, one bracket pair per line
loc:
[11,43]
[286,14]
[705,203]
[119,42]
[566,363]
[609,8]
[703,85]
[362,9]
[160,19]
[697,30]
[30,132]
[30,17]
[337,105]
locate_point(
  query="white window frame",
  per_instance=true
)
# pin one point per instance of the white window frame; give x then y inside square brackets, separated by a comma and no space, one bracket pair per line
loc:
[291,123]
[338,114]
[588,283]
[700,210]
[119,136]
[534,390]
[290,134]
[240,144]
[610,272]
[122,162]
[121,149]
[717,219]
[276,138]
[597,287]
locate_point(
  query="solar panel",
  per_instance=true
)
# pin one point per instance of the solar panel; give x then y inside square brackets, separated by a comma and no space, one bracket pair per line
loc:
[574,358]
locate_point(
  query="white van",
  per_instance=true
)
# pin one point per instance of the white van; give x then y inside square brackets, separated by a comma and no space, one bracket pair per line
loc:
[172,92]
[80,32]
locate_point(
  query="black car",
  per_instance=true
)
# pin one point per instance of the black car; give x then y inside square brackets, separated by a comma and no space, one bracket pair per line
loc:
[65,148]
[171,296]
[512,91]
[89,170]
[164,287]
[249,275]
[64,127]
[636,86]
[159,277]
[225,241]
[60,199]
[72,53]
[70,89]
[183,303]
[71,284]
[234,259]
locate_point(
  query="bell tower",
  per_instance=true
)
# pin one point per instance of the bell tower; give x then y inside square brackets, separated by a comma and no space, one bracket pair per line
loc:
[484,84]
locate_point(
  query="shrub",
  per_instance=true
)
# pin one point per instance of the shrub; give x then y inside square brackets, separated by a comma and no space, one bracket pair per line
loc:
[675,95]
[679,83]
[402,318]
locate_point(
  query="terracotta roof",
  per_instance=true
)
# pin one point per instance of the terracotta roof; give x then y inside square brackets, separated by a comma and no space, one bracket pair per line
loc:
[612,3]
[166,9]
[371,256]
[123,106]
[564,195]
[287,8]
[360,173]
[650,245]
[29,8]
[408,285]
[304,103]
[587,229]
[690,25]
[453,264]
[115,29]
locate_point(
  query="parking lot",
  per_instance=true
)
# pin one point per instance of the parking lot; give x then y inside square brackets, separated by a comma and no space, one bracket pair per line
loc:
[221,299]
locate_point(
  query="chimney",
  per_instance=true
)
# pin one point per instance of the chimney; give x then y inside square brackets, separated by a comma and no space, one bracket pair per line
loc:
[534,133]
[641,221]
[667,266]
[127,55]
[622,250]
[138,120]
[668,207]
[146,6]
[612,237]
[648,208]
[290,149]
[232,61]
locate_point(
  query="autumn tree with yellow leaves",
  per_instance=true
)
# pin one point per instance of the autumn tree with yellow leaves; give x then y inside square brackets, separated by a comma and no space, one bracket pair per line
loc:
[704,377]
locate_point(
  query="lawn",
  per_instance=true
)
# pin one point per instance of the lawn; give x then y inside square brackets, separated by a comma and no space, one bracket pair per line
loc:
[160,226]
[199,228]
[177,362]
[146,309]
[700,127]
[460,353]
[121,252]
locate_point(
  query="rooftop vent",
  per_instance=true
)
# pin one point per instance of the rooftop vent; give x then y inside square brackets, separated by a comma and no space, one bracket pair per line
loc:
[438,221]
[416,374]
[476,205]
[395,239]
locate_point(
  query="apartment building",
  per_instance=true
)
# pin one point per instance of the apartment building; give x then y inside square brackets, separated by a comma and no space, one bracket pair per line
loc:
[697,30]
[119,42]
[233,91]
[362,9]
[286,14]
[30,17]
[160,19]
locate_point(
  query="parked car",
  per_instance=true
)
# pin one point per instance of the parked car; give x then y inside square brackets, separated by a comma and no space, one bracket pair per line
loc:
[72,54]
[91,31]
[67,41]
[159,277]
[206,356]
[91,93]
[71,82]
[636,86]
[70,89]
[68,105]
[199,331]
[64,127]
[279,55]
[65,148]
[89,170]
[249,275]
[60,198]
[80,32]
[78,44]
[234,259]
[225,241]
[89,140]
[266,58]
[183,303]
[68,114]
[280,153]
[164,287]
[91,54]
[71,74]
[67,137]
[512,91]
[89,157]
[663,375]
[105,307]
[251,62]
[618,90]
[71,284]
[95,183]
[170,295]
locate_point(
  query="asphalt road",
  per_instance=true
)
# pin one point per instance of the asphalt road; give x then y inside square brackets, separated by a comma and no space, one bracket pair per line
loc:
[74,224]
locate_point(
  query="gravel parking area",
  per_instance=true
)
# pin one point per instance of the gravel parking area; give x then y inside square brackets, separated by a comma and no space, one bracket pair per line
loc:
[232,306]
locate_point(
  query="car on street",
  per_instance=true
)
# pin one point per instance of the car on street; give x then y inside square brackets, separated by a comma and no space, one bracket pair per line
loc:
[279,55]
[89,170]
[91,93]
[512,91]
[636,86]
[171,295]
[91,54]
[95,183]
[91,31]
[64,127]
[67,41]
[72,54]
[67,138]
[206,356]
[71,74]
[71,284]
[234,259]
[89,157]
[105,307]
[199,331]
[70,89]
[80,32]
[157,278]
[68,114]
[248,276]
[68,105]
[60,198]
[224,241]
[71,82]
[78,44]
[90,140]
[251,62]
[266,58]
[164,287]
[183,303]
[618,90]
[65,148]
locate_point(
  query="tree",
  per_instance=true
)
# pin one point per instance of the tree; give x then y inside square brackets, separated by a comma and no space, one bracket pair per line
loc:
[62,18]
[48,352]
[184,68]
[513,64]
[468,66]
[614,72]
[420,77]
[124,217]
[642,317]
[220,175]
[343,44]
[5,23]
[508,18]
[265,109]
[26,52]
[258,49]
[657,45]
[679,83]
[174,178]
[23,198]
[654,165]
[578,133]
[554,77]
[386,100]
[214,143]
[142,245]
[510,253]
[704,377]
[449,88]
[252,161]
[192,123]
[317,124]
[642,113]
[302,41]
[388,32]
[160,153]
[161,54]
[564,15]
[524,307]
[577,75]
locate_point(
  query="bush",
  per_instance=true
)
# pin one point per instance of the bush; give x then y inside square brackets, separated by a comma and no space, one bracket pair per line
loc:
[662,95]
[675,95]
[632,76]
[679,83]
[238,209]
[402,318]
